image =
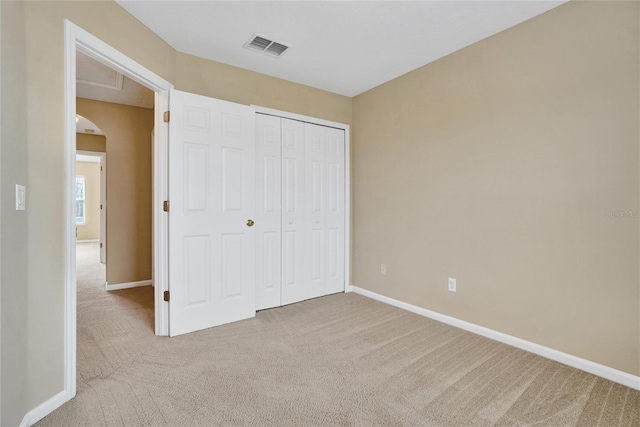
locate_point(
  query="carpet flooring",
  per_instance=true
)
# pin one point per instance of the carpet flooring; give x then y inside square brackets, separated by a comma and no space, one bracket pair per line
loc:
[89,271]
[340,360]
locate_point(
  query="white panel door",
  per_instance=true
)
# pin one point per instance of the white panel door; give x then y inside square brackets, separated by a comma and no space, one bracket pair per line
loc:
[268,212]
[212,199]
[325,209]
[294,259]
[334,210]
[315,182]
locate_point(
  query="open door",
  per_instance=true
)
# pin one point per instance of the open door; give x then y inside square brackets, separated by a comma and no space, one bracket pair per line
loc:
[211,194]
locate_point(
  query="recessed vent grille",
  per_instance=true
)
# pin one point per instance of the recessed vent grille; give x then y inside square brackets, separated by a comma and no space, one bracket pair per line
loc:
[277,48]
[260,43]
[266,45]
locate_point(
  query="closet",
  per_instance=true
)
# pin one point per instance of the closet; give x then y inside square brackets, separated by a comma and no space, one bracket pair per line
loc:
[300,210]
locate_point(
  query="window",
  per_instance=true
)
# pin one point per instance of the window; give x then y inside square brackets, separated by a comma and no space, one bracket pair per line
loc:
[80,218]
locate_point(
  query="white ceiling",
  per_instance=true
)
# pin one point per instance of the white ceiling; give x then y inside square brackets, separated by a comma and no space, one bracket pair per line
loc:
[95,80]
[345,47]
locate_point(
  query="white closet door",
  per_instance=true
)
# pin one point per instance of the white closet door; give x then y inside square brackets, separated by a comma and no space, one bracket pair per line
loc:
[294,259]
[334,210]
[212,196]
[300,179]
[315,184]
[268,212]
[325,192]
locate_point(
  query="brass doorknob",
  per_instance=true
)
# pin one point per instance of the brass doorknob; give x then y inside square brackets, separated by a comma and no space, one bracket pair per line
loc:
[250,222]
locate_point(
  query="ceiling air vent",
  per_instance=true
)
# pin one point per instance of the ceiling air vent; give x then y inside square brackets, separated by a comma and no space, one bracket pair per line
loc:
[266,45]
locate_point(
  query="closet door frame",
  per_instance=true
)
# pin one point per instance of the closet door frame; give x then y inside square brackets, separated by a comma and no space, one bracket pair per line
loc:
[347,177]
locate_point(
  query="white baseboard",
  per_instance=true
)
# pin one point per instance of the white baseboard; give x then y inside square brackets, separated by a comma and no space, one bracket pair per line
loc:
[88,241]
[603,371]
[128,285]
[38,413]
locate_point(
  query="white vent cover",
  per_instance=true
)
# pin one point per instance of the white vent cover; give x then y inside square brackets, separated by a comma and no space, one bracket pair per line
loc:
[266,45]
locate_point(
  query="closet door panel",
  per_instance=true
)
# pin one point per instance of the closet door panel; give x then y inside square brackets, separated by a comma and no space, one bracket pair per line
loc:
[335,212]
[268,212]
[315,180]
[294,259]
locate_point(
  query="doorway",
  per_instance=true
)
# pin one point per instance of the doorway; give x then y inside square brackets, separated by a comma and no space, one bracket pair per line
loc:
[77,39]
[90,216]
[123,110]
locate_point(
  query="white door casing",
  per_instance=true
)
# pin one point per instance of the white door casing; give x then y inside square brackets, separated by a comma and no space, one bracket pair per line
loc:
[211,194]
[75,38]
[103,209]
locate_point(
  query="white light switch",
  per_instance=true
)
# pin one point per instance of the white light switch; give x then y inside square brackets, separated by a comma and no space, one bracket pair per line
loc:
[21,197]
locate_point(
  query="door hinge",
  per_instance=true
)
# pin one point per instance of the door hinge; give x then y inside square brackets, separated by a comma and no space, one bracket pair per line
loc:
[167,116]
[100,245]
[166,296]
[100,206]
[100,168]
[165,206]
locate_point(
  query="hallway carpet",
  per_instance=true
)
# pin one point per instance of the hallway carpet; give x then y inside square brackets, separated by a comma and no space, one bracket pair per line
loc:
[89,271]
[337,360]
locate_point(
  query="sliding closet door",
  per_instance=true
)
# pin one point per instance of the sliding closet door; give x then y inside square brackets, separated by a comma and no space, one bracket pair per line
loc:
[324,172]
[315,177]
[300,211]
[294,259]
[268,212]
[334,210]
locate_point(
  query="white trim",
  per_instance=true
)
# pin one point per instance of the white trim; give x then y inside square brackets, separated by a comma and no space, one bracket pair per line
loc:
[160,222]
[603,371]
[347,176]
[88,241]
[299,117]
[44,409]
[117,85]
[70,244]
[127,285]
[75,38]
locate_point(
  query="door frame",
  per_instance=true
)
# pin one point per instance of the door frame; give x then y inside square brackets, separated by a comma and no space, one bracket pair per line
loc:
[347,177]
[103,198]
[77,38]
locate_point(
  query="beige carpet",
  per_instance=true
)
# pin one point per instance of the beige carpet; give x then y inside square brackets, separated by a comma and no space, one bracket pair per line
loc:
[89,271]
[338,360]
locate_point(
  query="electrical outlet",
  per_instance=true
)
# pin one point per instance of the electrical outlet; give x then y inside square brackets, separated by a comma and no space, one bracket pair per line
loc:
[452,284]
[383,269]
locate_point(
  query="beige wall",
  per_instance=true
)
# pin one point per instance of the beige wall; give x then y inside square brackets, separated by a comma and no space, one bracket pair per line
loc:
[129,190]
[87,142]
[13,250]
[91,172]
[35,154]
[497,166]
[234,84]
